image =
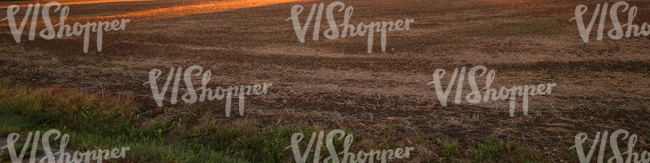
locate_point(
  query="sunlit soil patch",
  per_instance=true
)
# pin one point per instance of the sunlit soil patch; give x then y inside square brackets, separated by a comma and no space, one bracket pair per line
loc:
[64,2]
[196,8]
[170,12]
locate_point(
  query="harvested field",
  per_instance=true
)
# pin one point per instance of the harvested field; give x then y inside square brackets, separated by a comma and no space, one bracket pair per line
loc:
[335,84]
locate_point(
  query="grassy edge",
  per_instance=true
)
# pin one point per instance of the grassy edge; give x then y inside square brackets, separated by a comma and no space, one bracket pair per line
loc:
[23,109]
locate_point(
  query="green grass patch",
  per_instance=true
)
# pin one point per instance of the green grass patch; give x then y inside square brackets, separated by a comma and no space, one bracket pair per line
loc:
[101,122]
[499,151]
[93,123]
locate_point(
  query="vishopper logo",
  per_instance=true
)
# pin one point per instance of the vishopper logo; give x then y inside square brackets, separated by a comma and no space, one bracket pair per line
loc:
[49,33]
[617,32]
[206,93]
[580,138]
[333,32]
[476,97]
[360,157]
[61,156]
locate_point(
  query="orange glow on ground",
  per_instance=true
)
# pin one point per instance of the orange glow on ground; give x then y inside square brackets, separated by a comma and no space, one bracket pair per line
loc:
[196,8]
[42,3]
[170,12]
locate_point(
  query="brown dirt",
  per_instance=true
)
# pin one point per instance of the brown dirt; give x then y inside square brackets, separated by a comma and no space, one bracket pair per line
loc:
[601,85]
